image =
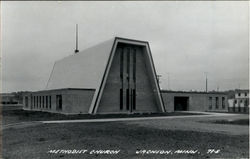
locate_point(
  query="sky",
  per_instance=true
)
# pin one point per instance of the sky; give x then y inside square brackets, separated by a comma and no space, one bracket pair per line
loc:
[187,39]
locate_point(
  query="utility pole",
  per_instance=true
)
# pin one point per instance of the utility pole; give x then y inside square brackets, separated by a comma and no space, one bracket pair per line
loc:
[206,79]
[76,50]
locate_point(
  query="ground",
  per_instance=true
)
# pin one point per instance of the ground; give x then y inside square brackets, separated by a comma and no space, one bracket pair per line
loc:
[207,136]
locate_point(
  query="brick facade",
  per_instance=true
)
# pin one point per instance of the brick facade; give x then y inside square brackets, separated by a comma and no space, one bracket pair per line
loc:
[197,101]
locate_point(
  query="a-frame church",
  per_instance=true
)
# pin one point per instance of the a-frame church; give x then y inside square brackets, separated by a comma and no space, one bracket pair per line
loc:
[116,76]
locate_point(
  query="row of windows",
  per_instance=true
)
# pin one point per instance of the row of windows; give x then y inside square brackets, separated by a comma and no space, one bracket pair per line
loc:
[41,102]
[239,94]
[223,102]
[241,101]
[45,102]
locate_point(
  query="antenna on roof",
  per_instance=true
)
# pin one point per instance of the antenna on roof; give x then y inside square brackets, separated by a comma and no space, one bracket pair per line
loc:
[76,50]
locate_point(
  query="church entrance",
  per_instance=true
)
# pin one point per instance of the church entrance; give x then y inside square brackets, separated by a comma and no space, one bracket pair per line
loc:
[128,79]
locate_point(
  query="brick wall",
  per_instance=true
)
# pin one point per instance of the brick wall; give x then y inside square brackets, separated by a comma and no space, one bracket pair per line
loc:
[74,101]
[197,101]
[145,98]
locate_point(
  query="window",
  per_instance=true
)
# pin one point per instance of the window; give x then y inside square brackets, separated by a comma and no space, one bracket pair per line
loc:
[40,101]
[235,101]
[128,64]
[31,101]
[223,103]
[58,102]
[37,101]
[26,101]
[49,102]
[134,99]
[245,94]
[121,64]
[127,99]
[43,101]
[239,94]
[121,99]
[134,65]
[46,102]
[246,103]
[216,102]
[210,103]
[34,101]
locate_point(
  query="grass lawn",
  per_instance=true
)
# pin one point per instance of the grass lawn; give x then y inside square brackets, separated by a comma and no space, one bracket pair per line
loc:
[35,142]
[229,121]
[15,116]
[236,122]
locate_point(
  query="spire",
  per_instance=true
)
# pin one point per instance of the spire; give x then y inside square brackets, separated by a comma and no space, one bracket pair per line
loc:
[76,50]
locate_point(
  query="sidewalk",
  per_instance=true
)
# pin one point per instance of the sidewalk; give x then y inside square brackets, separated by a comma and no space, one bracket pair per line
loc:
[34,123]
[206,114]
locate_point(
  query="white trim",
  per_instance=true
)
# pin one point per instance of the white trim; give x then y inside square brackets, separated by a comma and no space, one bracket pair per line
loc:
[105,78]
[155,78]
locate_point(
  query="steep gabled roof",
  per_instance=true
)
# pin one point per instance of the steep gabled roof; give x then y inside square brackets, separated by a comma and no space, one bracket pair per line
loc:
[82,70]
[88,69]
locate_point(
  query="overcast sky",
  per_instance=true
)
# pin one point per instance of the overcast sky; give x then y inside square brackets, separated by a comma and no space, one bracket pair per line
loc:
[186,39]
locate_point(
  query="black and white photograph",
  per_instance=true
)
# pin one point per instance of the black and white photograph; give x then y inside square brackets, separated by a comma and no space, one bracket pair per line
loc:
[124,79]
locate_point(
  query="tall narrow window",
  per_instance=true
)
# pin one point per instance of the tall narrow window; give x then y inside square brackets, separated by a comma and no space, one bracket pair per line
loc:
[26,101]
[49,102]
[46,102]
[31,101]
[210,103]
[43,101]
[134,65]
[134,100]
[58,102]
[216,102]
[127,97]
[128,63]
[246,103]
[131,100]
[121,63]
[223,102]
[121,99]
[34,100]
[37,100]
[40,101]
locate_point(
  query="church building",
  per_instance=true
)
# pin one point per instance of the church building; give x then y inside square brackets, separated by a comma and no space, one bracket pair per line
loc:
[115,76]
